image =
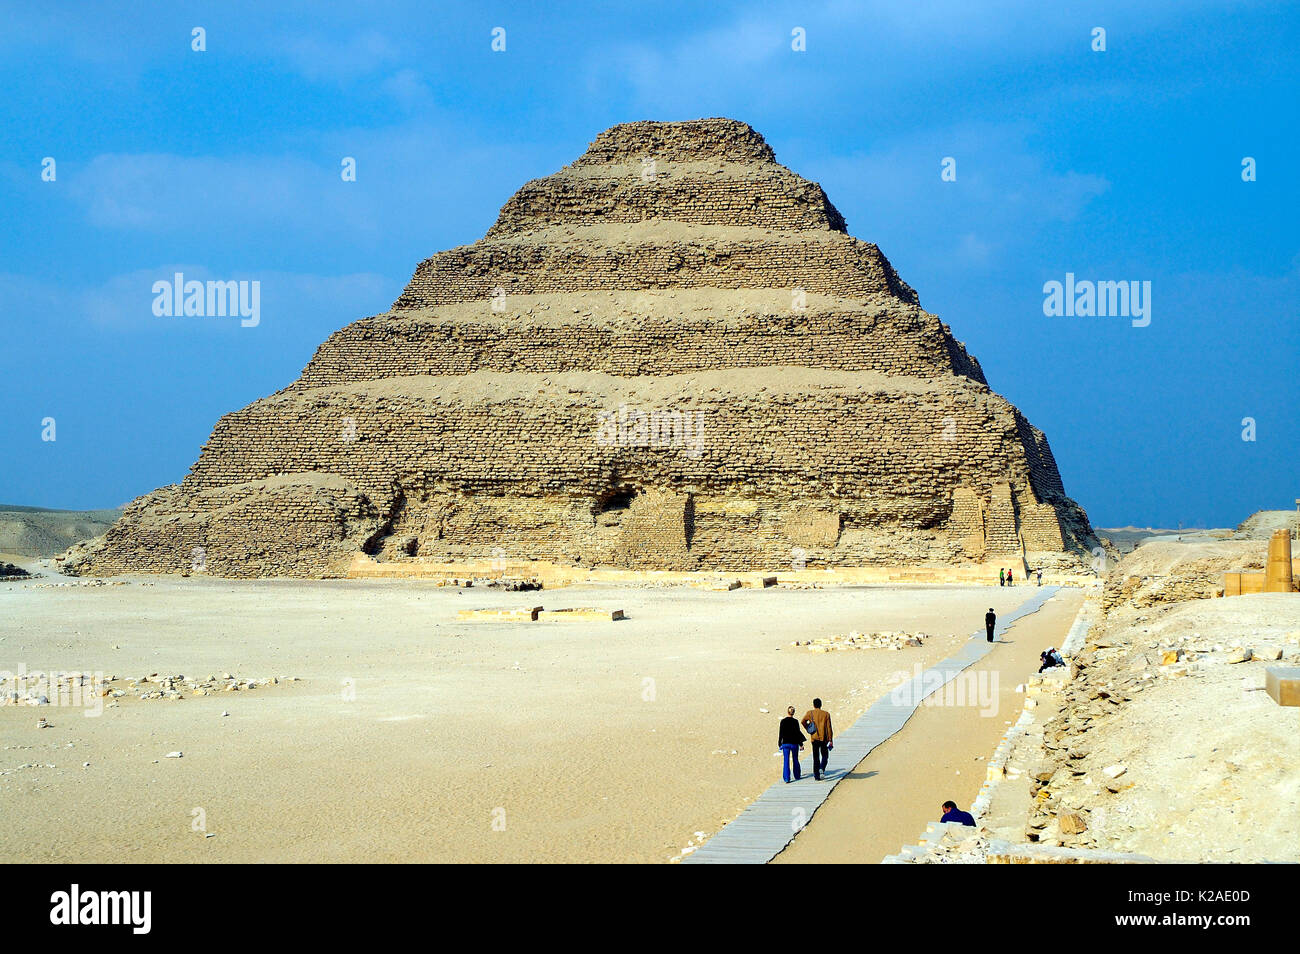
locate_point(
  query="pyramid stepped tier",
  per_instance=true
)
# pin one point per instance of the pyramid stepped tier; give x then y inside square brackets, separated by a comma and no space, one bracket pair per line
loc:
[766,459]
[628,334]
[667,355]
[715,141]
[651,255]
[699,193]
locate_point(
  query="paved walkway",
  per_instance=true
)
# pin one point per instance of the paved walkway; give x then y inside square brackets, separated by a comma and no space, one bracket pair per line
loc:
[771,821]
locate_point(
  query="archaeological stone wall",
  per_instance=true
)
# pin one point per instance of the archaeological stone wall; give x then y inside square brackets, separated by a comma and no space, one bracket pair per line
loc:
[779,201]
[701,140]
[908,344]
[294,526]
[456,480]
[789,445]
[844,268]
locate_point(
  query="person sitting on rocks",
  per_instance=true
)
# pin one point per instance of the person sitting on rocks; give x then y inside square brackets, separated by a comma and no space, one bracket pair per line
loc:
[951,813]
[1050,658]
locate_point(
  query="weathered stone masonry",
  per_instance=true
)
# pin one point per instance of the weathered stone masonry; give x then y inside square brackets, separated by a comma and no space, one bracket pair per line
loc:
[674,268]
[910,344]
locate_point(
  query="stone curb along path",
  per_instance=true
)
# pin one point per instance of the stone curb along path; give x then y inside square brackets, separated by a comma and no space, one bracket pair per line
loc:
[936,833]
[771,821]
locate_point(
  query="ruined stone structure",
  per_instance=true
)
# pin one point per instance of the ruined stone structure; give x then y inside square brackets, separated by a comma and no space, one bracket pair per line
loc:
[669,354]
[1279,574]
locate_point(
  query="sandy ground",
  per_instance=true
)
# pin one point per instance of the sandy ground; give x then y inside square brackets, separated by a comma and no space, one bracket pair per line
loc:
[938,755]
[551,731]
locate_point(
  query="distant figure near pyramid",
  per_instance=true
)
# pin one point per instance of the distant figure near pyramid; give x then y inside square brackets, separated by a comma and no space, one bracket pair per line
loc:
[670,354]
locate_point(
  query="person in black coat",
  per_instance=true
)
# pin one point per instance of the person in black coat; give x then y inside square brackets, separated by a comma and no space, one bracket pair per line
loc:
[954,815]
[791,740]
[990,620]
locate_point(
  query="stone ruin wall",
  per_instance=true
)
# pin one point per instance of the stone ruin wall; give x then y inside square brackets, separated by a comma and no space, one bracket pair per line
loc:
[783,445]
[911,344]
[451,482]
[703,140]
[779,201]
[259,528]
[846,268]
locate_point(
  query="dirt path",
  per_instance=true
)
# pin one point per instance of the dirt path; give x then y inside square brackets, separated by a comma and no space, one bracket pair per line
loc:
[885,803]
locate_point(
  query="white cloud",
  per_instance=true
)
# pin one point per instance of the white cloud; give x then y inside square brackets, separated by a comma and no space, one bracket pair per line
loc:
[162,192]
[321,58]
[1003,188]
[429,177]
[408,89]
[124,303]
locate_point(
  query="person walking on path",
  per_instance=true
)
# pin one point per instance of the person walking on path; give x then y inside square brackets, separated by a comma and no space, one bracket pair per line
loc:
[1002,577]
[791,740]
[951,813]
[990,620]
[1040,576]
[818,723]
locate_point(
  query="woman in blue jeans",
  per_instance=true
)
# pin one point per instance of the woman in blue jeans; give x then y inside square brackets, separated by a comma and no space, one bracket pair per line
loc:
[791,740]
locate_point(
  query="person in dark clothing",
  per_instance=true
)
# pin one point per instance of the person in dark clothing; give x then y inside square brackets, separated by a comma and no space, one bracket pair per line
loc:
[1049,659]
[818,723]
[952,814]
[791,740]
[990,620]
[1002,577]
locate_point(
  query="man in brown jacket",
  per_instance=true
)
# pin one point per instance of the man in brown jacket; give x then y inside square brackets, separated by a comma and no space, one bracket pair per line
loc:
[818,723]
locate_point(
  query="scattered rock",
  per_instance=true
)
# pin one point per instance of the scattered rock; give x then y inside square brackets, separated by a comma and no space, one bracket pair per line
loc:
[1071,823]
[856,640]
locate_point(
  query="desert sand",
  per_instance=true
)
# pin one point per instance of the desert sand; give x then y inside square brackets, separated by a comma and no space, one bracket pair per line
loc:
[466,740]
[1159,740]
[940,754]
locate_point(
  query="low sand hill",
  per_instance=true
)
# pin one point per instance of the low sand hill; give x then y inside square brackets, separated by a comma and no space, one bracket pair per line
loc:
[1261,524]
[37,532]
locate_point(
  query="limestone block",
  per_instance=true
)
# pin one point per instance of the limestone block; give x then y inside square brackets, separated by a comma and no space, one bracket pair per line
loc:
[1282,683]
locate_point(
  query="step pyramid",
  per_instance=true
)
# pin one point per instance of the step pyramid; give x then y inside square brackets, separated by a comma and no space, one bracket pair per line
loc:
[671,355]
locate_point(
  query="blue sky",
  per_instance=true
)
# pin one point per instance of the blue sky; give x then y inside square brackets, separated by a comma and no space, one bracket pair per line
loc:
[1115,165]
